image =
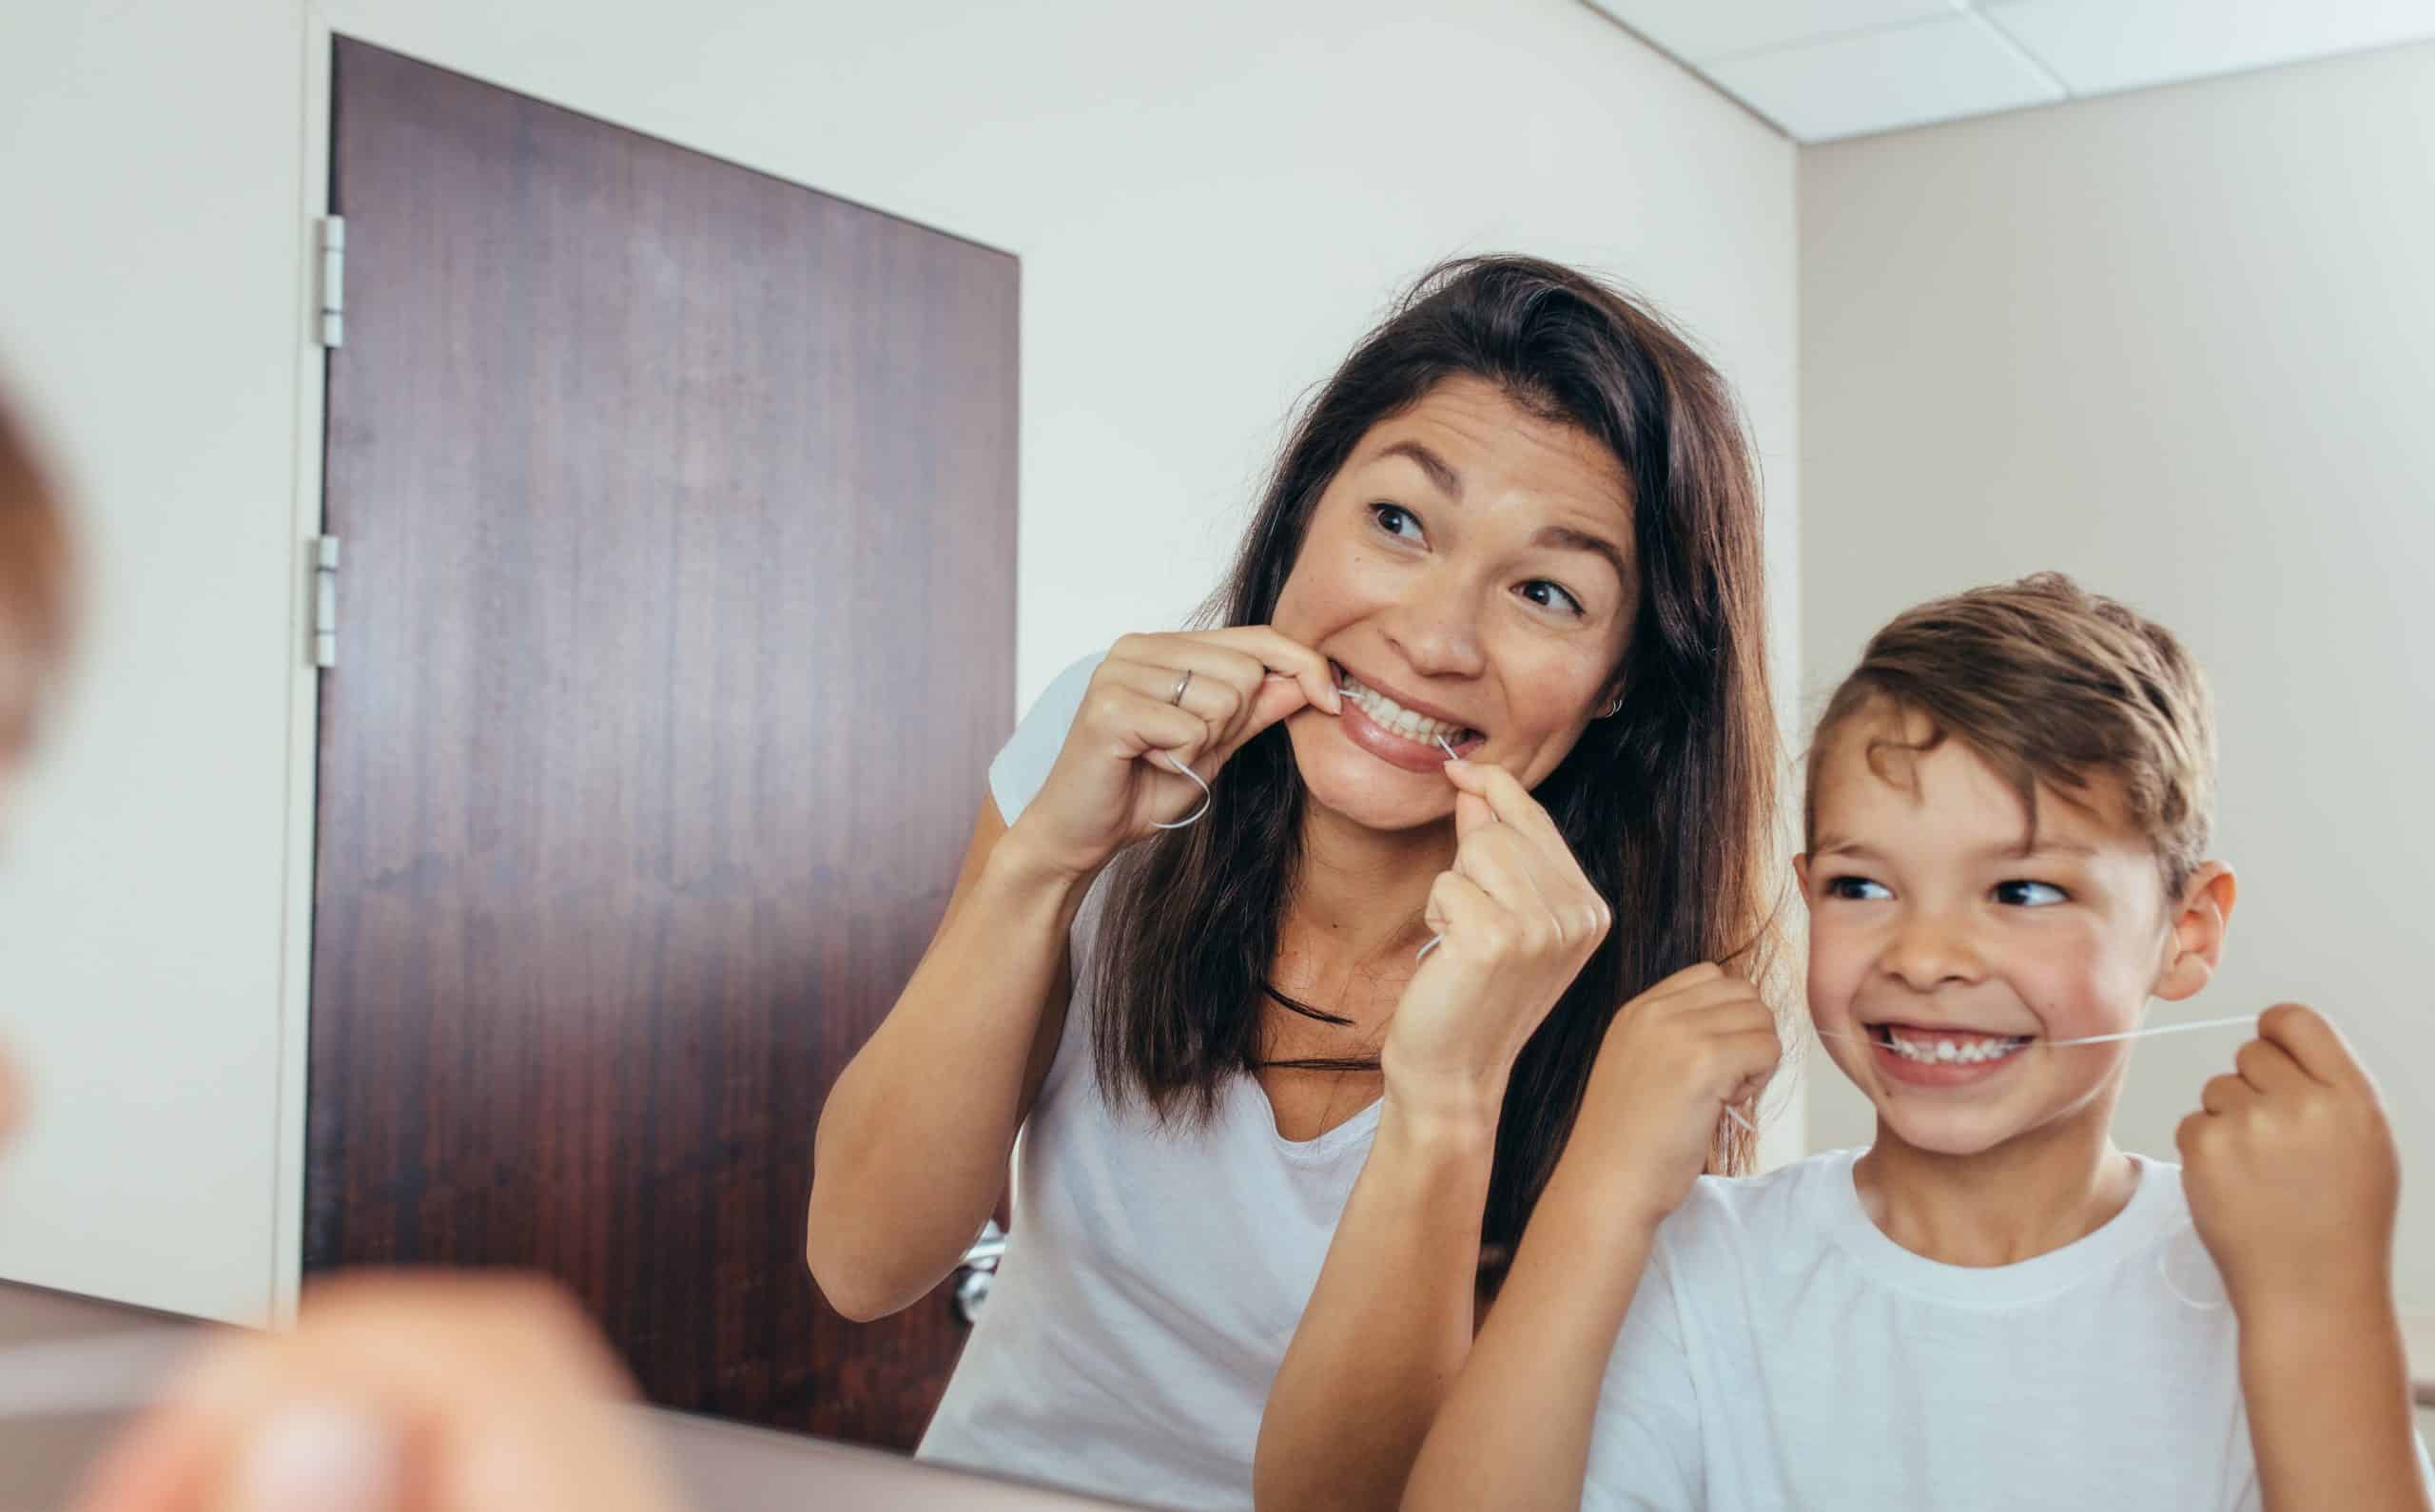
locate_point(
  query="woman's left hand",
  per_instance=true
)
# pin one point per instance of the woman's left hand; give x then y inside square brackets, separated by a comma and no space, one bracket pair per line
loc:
[1516,919]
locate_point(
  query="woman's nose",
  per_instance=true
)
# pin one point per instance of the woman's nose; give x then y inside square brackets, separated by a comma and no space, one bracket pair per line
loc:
[1929,951]
[1438,632]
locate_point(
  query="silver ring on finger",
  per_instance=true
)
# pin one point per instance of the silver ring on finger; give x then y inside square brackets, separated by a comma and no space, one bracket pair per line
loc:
[1182,683]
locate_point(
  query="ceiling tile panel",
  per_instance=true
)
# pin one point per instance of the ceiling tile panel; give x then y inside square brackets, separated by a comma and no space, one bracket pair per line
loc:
[2095,45]
[1702,31]
[1879,81]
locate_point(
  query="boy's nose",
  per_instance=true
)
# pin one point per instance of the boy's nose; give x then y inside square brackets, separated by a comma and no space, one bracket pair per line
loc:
[1928,953]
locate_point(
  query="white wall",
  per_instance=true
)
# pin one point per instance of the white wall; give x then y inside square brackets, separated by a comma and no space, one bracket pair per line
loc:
[2178,345]
[1209,206]
[149,278]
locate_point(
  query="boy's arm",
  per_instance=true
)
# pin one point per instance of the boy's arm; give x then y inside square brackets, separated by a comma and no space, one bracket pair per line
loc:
[2328,1406]
[1515,1429]
[2293,1182]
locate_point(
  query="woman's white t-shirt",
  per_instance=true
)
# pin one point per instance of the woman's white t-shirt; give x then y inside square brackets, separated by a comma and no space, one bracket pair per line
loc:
[1153,1274]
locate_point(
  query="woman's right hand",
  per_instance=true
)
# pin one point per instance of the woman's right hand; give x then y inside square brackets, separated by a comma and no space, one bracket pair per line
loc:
[1673,1060]
[1107,789]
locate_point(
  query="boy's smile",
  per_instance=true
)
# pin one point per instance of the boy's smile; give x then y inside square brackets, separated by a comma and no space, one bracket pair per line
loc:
[1949,946]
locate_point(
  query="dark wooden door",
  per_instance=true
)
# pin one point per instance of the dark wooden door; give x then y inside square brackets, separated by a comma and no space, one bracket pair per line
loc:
[677,508]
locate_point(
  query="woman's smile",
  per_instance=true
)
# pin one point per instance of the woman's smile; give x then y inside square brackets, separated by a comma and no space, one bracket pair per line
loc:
[1416,737]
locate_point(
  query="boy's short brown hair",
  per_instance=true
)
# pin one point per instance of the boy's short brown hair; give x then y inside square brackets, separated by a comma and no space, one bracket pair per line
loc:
[2049,685]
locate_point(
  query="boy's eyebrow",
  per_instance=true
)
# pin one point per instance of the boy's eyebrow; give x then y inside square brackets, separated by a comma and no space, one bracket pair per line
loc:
[1831,843]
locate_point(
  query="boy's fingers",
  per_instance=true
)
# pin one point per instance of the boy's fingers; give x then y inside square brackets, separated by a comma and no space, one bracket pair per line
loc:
[2226,1093]
[2303,1033]
[1689,977]
[2268,1067]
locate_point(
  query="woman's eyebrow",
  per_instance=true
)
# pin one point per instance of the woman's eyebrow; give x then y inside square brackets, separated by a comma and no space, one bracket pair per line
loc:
[1564,539]
[1557,538]
[1449,482]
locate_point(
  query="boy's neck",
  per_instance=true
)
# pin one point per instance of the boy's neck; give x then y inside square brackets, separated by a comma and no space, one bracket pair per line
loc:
[2023,1198]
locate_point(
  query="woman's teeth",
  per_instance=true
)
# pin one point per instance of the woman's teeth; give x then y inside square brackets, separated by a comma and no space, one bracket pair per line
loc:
[1388,714]
[1957,1050]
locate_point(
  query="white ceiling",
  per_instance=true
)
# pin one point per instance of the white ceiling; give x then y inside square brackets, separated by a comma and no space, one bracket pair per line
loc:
[1828,68]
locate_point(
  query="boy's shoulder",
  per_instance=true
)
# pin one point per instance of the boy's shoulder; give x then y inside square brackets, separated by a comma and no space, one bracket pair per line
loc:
[1795,1203]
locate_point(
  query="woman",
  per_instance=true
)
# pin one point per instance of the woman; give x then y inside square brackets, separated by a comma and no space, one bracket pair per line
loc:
[1491,673]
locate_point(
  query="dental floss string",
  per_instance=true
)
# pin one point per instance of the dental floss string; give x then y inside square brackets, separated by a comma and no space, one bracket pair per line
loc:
[1206,796]
[2092,1040]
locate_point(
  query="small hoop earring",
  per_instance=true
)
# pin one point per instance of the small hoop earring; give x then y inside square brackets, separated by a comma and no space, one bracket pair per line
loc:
[1614,708]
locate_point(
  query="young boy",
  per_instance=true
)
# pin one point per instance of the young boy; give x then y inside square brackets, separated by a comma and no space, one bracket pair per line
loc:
[1992,1307]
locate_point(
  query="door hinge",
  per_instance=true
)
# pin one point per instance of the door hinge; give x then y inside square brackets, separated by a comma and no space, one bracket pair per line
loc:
[325,601]
[334,280]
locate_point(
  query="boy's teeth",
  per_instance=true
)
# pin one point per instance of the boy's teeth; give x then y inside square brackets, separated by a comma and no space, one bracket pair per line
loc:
[1955,1050]
[1388,714]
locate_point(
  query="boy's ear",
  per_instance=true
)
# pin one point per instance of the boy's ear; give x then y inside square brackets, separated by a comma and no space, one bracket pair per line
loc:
[1801,875]
[2204,913]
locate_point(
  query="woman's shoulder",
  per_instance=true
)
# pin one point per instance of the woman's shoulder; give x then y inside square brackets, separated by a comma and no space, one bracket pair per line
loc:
[1022,764]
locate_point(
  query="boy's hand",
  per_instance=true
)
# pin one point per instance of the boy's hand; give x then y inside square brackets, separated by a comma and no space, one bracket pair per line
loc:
[2291,1169]
[1673,1060]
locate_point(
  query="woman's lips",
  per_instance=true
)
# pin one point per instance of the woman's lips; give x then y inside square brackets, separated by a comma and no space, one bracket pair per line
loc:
[1395,750]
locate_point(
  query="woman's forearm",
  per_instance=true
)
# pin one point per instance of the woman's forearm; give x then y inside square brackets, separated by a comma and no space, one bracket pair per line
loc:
[1390,1321]
[913,1142]
[1514,1431]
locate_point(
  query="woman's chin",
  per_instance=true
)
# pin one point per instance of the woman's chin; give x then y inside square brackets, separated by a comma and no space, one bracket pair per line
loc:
[1351,784]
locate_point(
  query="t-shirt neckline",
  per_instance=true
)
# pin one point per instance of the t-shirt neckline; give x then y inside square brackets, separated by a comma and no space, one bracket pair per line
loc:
[2143,1221]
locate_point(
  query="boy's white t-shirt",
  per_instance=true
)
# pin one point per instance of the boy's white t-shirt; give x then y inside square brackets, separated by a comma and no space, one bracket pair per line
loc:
[1782,1352]
[1153,1275]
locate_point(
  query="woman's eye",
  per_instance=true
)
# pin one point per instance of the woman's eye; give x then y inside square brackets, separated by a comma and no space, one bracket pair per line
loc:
[1856,889]
[2021,893]
[1394,517]
[1551,596]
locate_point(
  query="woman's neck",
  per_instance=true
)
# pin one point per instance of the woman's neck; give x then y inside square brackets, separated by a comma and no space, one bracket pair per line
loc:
[2028,1196]
[1359,892]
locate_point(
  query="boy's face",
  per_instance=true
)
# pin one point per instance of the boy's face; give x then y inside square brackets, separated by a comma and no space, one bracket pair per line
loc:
[1954,958]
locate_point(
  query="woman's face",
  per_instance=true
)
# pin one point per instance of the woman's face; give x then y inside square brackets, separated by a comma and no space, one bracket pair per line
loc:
[1469,573]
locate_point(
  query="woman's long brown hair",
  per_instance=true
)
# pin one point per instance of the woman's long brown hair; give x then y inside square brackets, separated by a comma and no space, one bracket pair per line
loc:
[1669,805]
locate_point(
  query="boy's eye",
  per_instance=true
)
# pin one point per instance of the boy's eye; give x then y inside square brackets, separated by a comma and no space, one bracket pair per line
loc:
[1394,517]
[2021,893]
[1856,889]
[1551,596]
